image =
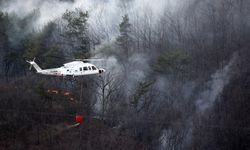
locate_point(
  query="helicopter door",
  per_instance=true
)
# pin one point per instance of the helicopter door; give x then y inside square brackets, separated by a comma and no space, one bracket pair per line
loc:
[85,69]
[81,70]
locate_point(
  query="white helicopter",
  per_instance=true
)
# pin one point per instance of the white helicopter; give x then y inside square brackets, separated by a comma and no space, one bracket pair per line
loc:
[74,68]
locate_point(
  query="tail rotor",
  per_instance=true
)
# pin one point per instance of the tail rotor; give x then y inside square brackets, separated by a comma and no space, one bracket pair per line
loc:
[31,63]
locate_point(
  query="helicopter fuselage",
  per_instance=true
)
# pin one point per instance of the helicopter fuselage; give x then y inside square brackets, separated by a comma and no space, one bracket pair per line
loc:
[75,68]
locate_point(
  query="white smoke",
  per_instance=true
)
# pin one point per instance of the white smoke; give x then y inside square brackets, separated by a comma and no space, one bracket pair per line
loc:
[215,87]
[108,12]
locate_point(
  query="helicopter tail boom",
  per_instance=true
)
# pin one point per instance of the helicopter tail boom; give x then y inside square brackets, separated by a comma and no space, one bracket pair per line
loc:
[33,63]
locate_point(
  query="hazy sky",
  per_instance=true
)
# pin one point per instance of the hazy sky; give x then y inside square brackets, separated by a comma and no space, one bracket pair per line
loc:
[110,10]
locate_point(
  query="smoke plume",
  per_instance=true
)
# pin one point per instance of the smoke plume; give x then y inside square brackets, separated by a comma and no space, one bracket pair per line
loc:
[215,87]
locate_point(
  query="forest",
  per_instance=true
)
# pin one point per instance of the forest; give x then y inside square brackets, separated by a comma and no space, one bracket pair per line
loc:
[177,75]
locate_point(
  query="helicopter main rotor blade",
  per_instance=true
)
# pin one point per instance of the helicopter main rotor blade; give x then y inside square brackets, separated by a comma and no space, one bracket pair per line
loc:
[91,59]
[76,59]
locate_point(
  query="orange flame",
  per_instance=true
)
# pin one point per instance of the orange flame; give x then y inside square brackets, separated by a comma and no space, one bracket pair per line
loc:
[64,93]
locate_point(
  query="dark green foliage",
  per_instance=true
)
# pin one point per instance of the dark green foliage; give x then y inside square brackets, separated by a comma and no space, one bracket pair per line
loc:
[173,62]
[42,46]
[124,40]
[76,32]
[142,90]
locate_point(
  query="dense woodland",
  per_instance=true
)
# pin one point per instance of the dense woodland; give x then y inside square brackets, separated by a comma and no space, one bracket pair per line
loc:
[176,80]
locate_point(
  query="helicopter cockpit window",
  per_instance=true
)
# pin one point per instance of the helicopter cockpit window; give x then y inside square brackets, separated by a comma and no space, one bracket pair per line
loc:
[89,68]
[85,68]
[93,68]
